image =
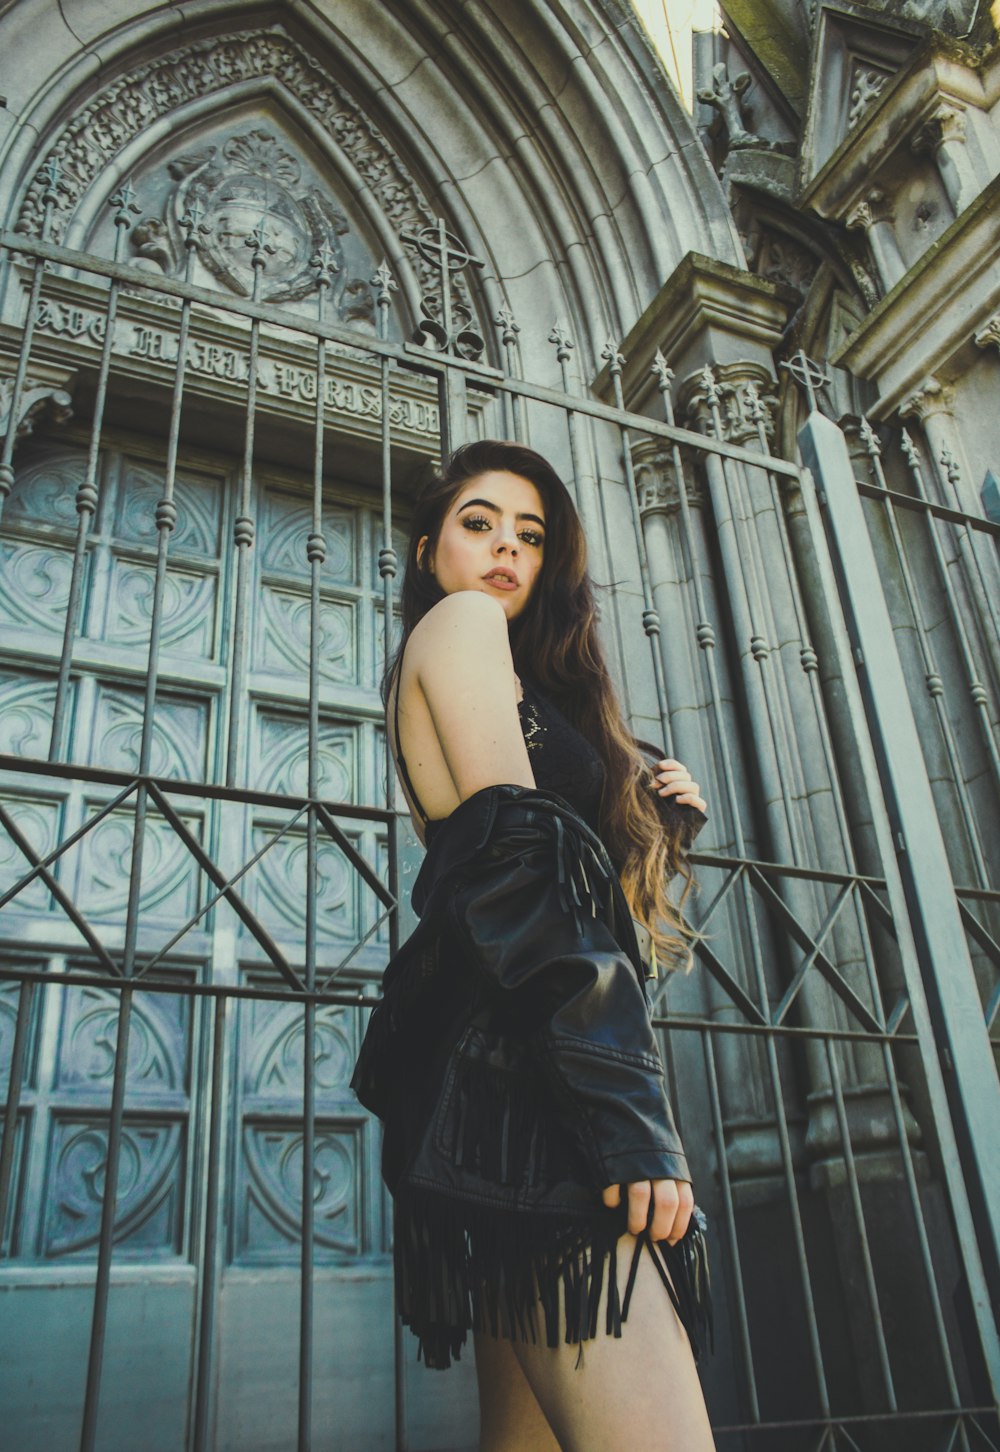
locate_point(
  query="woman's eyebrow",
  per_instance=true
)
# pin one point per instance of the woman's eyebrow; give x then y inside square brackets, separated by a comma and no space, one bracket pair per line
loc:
[487,504]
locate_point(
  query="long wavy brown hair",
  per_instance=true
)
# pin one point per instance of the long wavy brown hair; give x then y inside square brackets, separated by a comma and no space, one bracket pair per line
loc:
[554,642]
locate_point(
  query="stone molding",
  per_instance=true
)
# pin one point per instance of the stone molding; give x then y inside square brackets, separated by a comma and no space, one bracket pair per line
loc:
[706,313]
[929,318]
[937,84]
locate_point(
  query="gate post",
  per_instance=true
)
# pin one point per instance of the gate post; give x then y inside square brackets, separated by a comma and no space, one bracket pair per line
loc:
[947,1012]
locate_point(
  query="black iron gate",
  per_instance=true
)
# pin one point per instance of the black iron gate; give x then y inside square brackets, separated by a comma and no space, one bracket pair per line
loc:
[831,1056]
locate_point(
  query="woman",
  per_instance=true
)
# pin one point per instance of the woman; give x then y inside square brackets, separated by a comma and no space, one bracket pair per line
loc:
[529,1146]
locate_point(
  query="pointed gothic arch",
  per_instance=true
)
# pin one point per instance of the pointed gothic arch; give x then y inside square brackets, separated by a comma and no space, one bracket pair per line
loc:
[573,172]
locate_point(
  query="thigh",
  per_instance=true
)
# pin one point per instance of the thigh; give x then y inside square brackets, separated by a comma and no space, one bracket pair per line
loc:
[641,1389]
[510,1418]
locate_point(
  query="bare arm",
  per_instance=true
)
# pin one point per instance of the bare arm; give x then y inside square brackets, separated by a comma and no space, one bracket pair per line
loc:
[463,666]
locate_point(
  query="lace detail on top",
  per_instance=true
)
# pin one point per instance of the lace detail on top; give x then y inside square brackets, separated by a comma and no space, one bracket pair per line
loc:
[562,760]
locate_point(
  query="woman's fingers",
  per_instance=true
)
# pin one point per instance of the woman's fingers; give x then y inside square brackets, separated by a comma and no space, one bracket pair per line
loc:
[639,1196]
[664,1205]
[672,779]
[674,1206]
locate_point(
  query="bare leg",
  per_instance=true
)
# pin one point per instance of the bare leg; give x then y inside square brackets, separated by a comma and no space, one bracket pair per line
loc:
[641,1390]
[510,1419]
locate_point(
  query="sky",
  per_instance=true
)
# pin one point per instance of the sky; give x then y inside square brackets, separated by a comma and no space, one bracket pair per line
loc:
[669,24]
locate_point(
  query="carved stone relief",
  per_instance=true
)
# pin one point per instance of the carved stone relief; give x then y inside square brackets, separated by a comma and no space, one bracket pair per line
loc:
[866,84]
[98,134]
[150,1199]
[268,1195]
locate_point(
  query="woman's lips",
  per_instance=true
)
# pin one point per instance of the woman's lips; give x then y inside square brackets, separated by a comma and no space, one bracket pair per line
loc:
[502,582]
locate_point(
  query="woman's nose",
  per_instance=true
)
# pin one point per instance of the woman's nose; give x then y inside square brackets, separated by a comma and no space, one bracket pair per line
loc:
[506,540]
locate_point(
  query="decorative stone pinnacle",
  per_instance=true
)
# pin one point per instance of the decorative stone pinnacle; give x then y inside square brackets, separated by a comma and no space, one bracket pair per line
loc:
[869,439]
[564,343]
[124,200]
[662,369]
[614,359]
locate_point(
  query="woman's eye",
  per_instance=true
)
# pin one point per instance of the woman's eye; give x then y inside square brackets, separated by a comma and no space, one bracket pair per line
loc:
[531,537]
[477,522]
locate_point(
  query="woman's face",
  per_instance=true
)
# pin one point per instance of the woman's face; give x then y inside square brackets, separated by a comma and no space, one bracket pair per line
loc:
[491,540]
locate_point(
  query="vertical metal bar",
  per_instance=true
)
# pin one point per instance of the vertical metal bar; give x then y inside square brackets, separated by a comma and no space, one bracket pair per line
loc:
[209,1266]
[650,615]
[387,565]
[244,528]
[923,1239]
[508,337]
[99,1322]
[859,1220]
[729,1215]
[704,631]
[49,198]
[454,405]
[730,479]
[324,264]
[87,495]
[18,1056]
[955,1030]
[388,562]
[798,1232]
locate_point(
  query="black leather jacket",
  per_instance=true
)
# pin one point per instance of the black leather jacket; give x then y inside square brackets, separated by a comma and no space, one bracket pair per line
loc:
[512,1058]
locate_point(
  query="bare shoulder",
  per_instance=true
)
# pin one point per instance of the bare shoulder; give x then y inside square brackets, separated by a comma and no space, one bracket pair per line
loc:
[462,642]
[461,620]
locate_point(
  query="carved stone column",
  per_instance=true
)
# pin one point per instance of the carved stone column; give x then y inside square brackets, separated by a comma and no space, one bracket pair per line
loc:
[942,136]
[932,404]
[875,217]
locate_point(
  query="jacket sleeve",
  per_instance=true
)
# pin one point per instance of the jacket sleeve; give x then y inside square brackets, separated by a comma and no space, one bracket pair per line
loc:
[553,969]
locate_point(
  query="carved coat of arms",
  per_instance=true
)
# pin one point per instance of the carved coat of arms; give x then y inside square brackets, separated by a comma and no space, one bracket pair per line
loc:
[251,182]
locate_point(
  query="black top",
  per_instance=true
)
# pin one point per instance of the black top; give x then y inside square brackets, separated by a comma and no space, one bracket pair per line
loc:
[562,760]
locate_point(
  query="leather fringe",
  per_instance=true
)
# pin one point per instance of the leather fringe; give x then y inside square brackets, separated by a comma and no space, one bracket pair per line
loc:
[462,1266]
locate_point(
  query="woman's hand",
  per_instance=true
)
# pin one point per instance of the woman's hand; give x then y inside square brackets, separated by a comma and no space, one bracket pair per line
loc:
[672,779]
[664,1205]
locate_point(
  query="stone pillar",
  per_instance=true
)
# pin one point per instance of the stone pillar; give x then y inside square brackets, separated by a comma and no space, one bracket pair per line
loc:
[942,137]
[875,217]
